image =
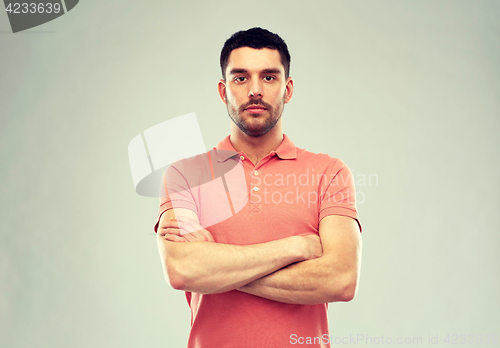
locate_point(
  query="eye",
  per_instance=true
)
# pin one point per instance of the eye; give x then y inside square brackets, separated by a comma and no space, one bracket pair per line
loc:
[240,79]
[269,78]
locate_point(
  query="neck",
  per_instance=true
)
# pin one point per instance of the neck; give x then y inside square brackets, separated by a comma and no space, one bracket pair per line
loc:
[256,147]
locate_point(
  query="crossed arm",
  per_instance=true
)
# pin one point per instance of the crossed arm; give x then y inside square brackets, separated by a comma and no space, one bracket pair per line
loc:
[297,269]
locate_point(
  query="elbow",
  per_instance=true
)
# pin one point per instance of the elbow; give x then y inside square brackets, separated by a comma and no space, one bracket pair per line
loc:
[343,290]
[348,291]
[176,277]
[176,282]
[181,276]
[179,270]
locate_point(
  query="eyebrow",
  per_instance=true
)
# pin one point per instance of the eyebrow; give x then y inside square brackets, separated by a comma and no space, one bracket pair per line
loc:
[244,71]
[271,71]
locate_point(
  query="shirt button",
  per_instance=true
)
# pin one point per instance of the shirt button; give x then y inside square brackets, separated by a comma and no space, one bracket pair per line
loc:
[256,188]
[256,173]
[242,158]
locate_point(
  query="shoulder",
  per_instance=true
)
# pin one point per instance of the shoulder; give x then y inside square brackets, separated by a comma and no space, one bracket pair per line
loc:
[319,160]
[205,166]
[191,162]
[192,170]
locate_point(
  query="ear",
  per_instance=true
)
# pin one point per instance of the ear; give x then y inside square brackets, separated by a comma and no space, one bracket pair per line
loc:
[288,89]
[221,87]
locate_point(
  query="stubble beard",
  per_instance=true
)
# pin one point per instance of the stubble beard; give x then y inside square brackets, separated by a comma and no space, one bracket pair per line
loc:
[256,130]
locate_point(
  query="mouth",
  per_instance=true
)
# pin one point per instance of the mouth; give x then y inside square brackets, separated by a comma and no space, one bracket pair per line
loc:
[255,109]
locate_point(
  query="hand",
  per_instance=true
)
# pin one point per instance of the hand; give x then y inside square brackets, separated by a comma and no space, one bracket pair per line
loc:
[183,229]
[314,249]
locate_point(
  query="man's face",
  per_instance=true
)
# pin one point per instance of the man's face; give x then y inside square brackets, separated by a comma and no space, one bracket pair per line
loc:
[255,89]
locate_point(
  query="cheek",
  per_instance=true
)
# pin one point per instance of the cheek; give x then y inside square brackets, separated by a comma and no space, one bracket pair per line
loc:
[230,102]
[236,98]
[230,97]
[278,94]
[278,98]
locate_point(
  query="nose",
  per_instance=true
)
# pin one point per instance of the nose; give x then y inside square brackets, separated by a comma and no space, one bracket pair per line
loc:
[255,89]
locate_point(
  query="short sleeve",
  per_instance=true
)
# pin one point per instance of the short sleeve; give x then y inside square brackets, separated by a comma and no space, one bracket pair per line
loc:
[175,192]
[339,195]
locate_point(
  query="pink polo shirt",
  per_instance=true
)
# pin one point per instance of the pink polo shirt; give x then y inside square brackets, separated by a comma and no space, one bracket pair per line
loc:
[287,193]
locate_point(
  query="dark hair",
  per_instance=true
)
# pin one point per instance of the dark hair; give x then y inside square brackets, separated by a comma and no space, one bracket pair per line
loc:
[255,38]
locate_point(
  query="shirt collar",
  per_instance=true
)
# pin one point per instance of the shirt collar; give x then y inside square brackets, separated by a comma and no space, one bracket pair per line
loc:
[286,150]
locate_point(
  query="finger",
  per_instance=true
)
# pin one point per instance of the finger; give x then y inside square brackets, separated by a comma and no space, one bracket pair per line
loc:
[188,227]
[164,231]
[174,238]
[180,223]
[210,238]
[189,224]
[192,237]
[200,233]
[170,224]
[203,236]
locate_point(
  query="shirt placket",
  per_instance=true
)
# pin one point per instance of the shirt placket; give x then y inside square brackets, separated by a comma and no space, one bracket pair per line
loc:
[256,184]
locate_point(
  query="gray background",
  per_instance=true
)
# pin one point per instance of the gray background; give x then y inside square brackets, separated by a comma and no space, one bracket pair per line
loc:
[404,90]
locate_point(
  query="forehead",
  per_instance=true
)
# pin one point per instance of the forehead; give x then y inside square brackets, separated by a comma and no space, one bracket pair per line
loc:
[252,59]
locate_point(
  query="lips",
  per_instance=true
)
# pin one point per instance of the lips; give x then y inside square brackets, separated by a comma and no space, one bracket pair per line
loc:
[255,108]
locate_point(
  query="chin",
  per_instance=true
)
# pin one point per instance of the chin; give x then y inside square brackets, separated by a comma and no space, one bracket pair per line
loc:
[256,132]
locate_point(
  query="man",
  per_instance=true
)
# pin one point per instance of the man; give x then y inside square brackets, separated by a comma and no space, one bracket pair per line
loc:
[264,276]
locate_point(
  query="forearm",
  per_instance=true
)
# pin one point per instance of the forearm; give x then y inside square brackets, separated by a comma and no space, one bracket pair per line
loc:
[222,267]
[332,277]
[308,282]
